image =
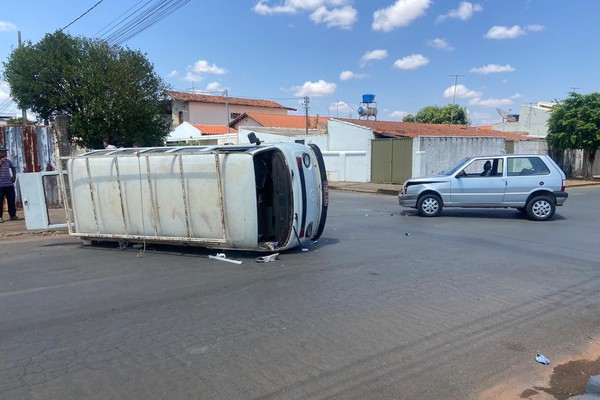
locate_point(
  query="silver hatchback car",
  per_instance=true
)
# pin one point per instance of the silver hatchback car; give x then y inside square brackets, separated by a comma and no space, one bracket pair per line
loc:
[531,183]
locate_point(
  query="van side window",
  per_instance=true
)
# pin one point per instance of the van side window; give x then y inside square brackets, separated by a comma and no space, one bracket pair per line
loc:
[526,166]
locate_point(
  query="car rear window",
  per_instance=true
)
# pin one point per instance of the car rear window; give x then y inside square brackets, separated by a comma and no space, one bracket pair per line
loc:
[524,166]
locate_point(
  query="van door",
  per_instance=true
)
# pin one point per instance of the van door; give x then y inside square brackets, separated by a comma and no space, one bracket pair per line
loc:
[43,203]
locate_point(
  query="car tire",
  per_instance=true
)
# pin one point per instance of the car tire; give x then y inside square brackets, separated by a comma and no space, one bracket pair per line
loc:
[540,208]
[430,205]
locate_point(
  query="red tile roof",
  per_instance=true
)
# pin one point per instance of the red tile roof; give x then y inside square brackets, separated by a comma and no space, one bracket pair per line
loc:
[205,98]
[410,129]
[213,129]
[282,121]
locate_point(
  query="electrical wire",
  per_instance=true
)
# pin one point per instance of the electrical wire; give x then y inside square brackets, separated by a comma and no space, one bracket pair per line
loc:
[141,19]
[76,19]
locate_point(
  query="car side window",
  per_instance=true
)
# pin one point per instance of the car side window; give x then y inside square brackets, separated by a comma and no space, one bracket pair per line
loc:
[487,167]
[526,166]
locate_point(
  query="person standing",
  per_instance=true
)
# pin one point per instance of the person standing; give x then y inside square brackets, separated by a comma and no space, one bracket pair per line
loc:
[8,176]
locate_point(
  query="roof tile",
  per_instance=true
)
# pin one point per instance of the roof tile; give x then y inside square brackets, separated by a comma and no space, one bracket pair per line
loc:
[410,129]
[205,98]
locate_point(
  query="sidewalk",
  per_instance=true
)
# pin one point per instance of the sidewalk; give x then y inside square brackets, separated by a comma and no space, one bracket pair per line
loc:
[18,228]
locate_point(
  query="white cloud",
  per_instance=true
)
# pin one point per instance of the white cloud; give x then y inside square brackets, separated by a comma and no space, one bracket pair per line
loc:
[401,13]
[214,87]
[464,12]
[202,66]
[338,17]
[340,107]
[490,102]
[319,88]
[535,28]
[460,92]
[504,32]
[373,55]
[492,69]
[347,75]
[413,61]
[173,74]
[333,13]
[191,77]
[7,26]
[399,114]
[440,44]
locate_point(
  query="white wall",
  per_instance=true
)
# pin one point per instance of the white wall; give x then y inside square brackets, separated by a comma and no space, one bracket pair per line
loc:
[432,155]
[346,148]
[531,147]
[215,114]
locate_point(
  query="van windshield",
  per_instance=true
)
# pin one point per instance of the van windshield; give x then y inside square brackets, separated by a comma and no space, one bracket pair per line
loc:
[455,167]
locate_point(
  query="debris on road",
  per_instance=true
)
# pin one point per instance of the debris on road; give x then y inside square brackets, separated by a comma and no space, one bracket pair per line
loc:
[542,359]
[223,257]
[266,259]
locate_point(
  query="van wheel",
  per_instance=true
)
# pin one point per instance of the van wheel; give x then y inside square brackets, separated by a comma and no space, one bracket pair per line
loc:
[540,208]
[430,205]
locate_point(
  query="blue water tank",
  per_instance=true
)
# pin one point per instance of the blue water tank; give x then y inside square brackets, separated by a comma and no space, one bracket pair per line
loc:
[368,98]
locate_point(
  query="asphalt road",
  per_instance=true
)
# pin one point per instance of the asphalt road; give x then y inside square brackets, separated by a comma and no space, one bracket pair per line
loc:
[387,305]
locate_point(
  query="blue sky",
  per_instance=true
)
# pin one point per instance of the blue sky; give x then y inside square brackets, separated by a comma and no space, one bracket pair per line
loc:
[409,53]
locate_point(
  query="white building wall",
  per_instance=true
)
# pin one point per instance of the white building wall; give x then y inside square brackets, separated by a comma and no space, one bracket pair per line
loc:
[533,121]
[216,114]
[432,155]
[531,147]
[346,148]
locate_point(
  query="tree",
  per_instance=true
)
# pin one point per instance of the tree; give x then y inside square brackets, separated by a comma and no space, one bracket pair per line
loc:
[575,124]
[449,114]
[107,91]
[19,121]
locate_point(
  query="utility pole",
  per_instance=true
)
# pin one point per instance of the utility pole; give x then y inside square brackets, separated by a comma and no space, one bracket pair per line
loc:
[455,82]
[306,102]
[454,96]
[227,108]
[24,111]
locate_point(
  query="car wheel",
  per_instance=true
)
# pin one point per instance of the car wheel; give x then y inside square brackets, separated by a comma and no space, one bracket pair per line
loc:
[430,205]
[540,208]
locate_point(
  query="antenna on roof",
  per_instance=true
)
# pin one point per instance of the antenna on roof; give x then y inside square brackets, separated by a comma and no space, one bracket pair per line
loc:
[506,116]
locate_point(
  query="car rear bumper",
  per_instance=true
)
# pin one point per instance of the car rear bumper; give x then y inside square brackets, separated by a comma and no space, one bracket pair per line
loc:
[560,197]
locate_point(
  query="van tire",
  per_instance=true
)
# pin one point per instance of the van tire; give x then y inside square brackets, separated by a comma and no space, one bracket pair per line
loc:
[540,208]
[430,205]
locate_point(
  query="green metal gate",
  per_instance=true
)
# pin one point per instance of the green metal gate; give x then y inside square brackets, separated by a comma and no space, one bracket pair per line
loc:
[391,160]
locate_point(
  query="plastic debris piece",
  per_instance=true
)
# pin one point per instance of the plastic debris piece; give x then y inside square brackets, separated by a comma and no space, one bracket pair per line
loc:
[542,359]
[407,234]
[304,249]
[223,257]
[266,259]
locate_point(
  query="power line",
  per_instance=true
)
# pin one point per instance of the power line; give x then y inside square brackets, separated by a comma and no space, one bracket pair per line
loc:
[141,19]
[76,19]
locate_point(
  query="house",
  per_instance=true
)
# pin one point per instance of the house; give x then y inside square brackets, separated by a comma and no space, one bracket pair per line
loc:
[280,121]
[207,109]
[201,134]
[390,152]
[532,120]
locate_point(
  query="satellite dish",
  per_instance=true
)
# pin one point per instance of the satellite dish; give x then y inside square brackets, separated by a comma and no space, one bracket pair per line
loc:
[506,116]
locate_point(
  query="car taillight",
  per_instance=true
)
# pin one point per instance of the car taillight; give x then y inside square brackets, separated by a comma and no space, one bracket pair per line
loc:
[564,184]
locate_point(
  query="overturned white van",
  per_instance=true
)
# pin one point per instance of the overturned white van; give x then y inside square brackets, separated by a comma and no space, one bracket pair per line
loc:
[261,197]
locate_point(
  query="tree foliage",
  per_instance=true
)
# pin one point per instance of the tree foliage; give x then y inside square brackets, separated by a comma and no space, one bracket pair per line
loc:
[107,91]
[449,114]
[575,124]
